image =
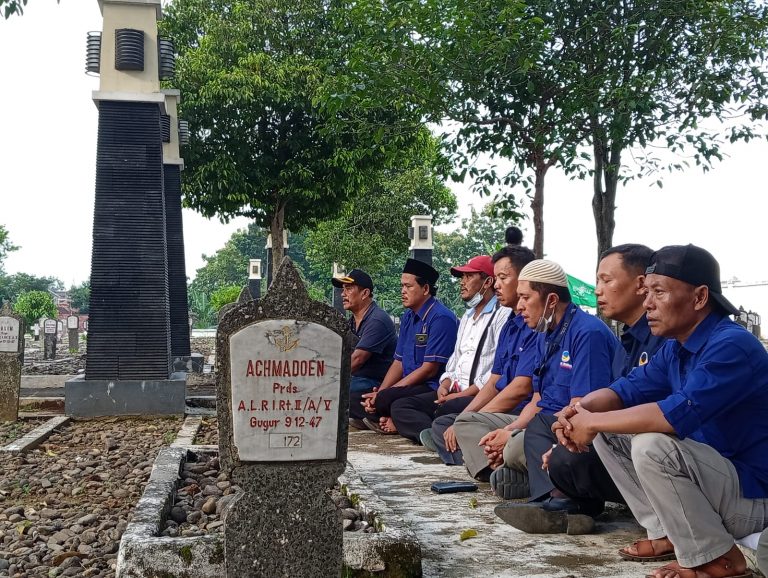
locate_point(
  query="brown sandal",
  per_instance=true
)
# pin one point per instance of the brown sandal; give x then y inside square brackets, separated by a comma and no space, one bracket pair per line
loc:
[721,567]
[372,425]
[646,553]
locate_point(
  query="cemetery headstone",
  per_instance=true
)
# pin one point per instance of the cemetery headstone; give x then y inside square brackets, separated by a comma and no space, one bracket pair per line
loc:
[50,340]
[36,331]
[11,359]
[282,399]
[73,333]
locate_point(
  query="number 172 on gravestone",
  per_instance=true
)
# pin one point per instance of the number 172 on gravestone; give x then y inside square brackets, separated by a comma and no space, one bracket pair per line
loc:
[285,391]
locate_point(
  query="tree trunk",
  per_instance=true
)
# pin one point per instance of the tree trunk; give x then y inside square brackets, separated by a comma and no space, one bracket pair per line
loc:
[537,206]
[605,182]
[276,231]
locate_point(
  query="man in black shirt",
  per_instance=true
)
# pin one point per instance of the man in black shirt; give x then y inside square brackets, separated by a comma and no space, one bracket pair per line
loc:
[375,330]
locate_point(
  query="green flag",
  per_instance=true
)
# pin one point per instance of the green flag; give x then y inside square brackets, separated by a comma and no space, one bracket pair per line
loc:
[582,294]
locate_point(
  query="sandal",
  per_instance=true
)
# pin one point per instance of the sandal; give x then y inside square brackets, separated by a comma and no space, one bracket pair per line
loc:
[646,553]
[721,567]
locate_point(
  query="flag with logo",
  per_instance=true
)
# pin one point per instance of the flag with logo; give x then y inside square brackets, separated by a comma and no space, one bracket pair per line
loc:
[582,294]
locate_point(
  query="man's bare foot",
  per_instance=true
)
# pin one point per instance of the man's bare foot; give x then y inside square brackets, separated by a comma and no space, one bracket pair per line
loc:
[387,425]
[649,550]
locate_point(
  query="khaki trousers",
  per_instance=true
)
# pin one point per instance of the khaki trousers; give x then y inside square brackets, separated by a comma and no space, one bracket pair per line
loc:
[684,490]
[471,426]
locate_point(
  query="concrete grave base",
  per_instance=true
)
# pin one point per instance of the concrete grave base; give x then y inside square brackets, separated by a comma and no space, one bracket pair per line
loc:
[392,552]
[99,397]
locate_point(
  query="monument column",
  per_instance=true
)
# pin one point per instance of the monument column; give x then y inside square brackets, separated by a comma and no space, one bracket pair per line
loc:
[128,367]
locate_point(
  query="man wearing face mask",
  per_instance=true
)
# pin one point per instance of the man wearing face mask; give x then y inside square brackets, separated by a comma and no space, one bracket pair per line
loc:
[469,366]
[574,355]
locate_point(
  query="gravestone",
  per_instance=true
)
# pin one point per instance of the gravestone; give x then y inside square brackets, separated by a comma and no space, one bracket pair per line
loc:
[11,359]
[36,331]
[73,331]
[49,339]
[282,401]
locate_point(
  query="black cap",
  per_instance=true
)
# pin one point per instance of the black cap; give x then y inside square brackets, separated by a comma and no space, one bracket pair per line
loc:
[421,269]
[354,277]
[693,265]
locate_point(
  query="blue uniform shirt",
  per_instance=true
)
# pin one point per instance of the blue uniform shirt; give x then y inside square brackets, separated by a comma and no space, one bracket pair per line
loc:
[713,389]
[515,352]
[582,363]
[638,345]
[439,325]
[376,334]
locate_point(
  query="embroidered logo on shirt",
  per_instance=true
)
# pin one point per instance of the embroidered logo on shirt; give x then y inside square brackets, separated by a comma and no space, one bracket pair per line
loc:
[565,359]
[643,359]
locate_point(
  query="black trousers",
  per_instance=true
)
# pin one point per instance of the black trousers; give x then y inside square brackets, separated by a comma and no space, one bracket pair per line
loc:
[414,414]
[384,401]
[578,476]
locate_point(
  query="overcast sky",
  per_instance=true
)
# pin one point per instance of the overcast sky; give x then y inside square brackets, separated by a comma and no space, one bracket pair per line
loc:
[48,126]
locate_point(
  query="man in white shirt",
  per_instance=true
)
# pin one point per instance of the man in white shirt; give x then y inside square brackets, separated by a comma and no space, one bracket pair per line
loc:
[469,367]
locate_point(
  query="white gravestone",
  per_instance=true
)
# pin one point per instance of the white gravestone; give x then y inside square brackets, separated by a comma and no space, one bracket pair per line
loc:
[73,322]
[285,391]
[50,326]
[9,334]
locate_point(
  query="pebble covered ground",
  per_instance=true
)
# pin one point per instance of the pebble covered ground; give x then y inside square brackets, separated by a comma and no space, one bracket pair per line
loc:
[208,434]
[204,493]
[13,430]
[65,505]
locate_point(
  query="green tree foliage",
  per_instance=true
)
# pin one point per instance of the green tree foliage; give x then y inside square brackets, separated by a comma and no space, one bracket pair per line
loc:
[252,73]
[33,305]
[540,83]
[80,295]
[681,76]
[5,246]
[373,226]
[11,286]
[202,312]
[224,295]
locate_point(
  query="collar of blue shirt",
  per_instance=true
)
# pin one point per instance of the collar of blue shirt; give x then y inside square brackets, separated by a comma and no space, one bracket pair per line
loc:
[424,308]
[489,307]
[701,334]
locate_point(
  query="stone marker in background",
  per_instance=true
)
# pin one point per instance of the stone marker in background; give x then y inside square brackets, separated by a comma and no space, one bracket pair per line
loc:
[73,331]
[11,358]
[49,338]
[282,399]
[36,331]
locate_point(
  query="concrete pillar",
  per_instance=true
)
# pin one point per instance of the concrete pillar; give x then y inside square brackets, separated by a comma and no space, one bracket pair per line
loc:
[254,278]
[420,234]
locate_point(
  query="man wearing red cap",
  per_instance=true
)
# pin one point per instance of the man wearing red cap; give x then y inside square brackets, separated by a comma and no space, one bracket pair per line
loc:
[469,366]
[685,436]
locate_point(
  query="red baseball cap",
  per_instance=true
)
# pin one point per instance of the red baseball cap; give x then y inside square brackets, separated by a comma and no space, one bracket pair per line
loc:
[479,264]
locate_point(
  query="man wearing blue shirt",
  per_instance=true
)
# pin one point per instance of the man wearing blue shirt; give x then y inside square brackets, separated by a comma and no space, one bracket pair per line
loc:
[695,472]
[509,383]
[376,339]
[574,354]
[426,341]
[469,366]
[562,482]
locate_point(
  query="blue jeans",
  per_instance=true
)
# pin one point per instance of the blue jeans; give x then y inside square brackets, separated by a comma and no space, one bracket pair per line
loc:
[364,384]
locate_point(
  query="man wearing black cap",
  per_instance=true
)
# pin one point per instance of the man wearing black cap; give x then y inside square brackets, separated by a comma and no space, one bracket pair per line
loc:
[694,472]
[376,338]
[426,341]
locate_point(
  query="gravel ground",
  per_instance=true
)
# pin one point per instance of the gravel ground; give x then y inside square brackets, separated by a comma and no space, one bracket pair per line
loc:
[208,434]
[65,505]
[13,430]
[204,493]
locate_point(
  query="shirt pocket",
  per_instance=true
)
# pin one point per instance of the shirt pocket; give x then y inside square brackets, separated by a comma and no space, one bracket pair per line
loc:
[418,354]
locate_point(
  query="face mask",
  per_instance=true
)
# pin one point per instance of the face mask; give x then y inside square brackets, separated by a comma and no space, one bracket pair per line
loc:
[475,299]
[544,322]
